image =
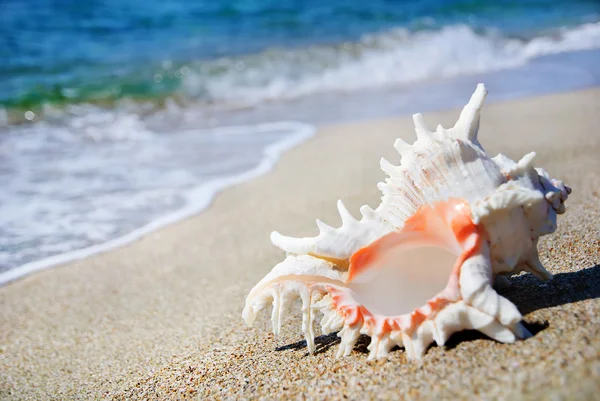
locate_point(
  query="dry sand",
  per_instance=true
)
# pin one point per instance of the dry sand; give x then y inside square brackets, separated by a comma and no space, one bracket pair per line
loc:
[160,318]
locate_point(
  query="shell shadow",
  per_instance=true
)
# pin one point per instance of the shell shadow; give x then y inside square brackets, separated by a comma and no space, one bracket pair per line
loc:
[526,291]
[530,294]
[472,335]
[322,343]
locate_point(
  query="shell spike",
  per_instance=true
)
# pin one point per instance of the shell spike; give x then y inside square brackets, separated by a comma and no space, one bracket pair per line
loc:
[407,341]
[275,315]
[248,315]
[387,167]
[380,274]
[521,331]
[347,218]
[520,167]
[525,162]
[349,336]
[380,346]
[308,321]
[536,268]
[488,325]
[401,146]
[420,127]
[498,332]
[323,228]
[367,212]
[468,123]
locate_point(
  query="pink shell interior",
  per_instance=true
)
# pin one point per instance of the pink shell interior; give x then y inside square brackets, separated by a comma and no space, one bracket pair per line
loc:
[444,233]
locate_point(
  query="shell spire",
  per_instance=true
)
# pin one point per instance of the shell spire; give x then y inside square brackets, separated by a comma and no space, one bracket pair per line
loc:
[452,223]
[421,128]
[467,125]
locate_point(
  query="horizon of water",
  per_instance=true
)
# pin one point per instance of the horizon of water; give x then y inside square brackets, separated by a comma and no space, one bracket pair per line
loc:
[112,115]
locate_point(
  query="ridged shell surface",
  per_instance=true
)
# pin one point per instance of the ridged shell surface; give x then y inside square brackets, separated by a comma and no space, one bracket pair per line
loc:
[446,194]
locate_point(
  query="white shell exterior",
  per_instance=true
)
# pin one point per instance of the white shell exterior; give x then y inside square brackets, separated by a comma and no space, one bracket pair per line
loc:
[513,201]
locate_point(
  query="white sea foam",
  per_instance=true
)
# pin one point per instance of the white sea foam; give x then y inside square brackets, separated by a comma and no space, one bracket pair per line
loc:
[90,189]
[86,179]
[390,58]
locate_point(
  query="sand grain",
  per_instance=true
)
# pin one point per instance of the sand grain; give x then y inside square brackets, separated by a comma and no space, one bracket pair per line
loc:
[160,318]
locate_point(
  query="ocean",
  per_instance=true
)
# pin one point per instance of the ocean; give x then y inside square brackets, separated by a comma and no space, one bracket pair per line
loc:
[117,118]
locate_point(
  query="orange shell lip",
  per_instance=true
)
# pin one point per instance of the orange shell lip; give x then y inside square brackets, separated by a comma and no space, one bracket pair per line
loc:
[446,225]
[422,227]
[411,281]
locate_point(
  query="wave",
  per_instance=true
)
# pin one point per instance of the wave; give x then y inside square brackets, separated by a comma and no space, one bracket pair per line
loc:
[390,58]
[395,57]
[113,170]
[60,224]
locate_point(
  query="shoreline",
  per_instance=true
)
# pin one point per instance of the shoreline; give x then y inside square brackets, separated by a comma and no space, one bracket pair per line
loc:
[124,323]
[204,194]
[202,197]
[500,52]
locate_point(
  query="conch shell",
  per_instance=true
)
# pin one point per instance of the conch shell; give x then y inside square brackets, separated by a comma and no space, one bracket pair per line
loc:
[421,266]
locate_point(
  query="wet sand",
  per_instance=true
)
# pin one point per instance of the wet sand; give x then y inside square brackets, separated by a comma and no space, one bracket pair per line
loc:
[161,318]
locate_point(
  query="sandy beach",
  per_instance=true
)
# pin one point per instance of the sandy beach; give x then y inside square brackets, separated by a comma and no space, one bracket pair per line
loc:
[161,318]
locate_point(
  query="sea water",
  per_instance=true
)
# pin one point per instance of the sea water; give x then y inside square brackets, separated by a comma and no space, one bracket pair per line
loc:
[116,117]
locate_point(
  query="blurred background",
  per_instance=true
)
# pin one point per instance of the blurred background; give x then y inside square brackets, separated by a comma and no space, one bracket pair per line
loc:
[111,112]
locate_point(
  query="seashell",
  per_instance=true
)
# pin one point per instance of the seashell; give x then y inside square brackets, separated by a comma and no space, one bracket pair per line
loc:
[421,266]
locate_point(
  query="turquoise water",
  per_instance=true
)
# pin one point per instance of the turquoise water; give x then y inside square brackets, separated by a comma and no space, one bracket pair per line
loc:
[65,52]
[112,113]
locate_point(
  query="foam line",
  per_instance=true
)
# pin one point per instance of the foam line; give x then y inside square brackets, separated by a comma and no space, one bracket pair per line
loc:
[198,199]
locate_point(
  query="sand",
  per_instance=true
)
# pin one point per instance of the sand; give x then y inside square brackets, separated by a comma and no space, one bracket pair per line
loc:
[160,318]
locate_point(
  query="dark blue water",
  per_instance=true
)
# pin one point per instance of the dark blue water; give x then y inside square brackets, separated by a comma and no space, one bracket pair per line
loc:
[61,52]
